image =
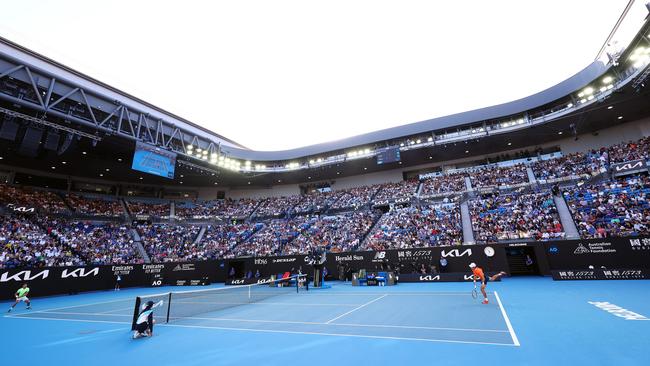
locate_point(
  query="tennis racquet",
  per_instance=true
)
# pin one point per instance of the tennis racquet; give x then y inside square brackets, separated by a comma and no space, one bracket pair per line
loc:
[474,292]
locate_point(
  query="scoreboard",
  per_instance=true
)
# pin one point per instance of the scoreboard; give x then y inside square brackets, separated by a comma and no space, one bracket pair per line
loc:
[388,156]
[153,160]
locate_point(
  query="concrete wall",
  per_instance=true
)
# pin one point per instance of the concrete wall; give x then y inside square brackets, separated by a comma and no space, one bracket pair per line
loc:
[610,136]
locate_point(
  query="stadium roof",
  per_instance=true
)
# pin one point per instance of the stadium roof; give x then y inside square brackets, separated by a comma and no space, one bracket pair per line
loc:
[119,111]
[183,64]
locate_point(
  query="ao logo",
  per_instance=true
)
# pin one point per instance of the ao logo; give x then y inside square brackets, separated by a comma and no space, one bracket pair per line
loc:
[553,250]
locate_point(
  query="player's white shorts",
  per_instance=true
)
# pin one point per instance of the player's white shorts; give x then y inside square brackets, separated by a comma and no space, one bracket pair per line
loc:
[24,298]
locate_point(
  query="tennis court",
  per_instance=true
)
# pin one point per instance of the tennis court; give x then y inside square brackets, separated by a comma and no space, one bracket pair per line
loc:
[384,325]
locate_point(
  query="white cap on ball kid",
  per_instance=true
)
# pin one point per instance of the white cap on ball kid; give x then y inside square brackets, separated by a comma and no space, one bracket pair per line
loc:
[472,265]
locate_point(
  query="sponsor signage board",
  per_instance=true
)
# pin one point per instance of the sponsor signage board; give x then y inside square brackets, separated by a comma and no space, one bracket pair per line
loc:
[439,277]
[628,167]
[64,280]
[601,274]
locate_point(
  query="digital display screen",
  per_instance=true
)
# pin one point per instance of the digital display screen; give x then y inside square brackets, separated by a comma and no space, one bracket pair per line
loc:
[153,160]
[388,156]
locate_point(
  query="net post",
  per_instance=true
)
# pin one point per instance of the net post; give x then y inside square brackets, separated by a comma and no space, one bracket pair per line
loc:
[169,304]
[136,312]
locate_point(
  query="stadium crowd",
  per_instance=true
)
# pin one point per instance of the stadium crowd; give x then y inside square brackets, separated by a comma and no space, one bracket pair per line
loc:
[98,243]
[572,165]
[316,201]
[271,239]
[445,183]
[338,233]
[492,176]
[28,242]
[413,227]
[219,239]
[45,201]
[403,189]
[277,206]
[355,198]
[614,208]
[515,216]
[148,208]
[170,243]
[632,150]
[105,206]
[239,208]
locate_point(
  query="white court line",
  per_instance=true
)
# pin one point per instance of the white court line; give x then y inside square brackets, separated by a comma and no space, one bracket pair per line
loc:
[350,325]
[259,303]
[290,332]
[355,309]
[27,315]
[114,310]
[390,294]
[78,306]
[293,322]
[414,327]
[505,316]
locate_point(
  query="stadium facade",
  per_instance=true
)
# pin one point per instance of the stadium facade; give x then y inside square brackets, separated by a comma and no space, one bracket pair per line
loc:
[86,164]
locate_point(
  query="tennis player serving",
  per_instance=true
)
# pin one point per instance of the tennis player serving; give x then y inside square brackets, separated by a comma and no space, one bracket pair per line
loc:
[21,295]
[478,274]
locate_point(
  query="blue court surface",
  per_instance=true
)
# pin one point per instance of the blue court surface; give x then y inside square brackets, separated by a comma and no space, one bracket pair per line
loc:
[529,321]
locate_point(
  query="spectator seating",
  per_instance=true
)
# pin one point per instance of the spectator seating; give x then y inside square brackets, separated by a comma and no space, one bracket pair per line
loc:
[413,227]
[95,206]
[170,243]
[531,216]
[613,208]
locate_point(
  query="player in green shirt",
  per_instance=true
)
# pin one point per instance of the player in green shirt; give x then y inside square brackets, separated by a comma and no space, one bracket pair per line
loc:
[21,295]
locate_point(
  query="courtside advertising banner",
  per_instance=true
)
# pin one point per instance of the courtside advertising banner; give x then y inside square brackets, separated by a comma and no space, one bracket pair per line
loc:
[71,280]
[606,253]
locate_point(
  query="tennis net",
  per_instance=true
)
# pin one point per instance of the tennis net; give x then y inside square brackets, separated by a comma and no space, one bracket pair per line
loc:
[172,306]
